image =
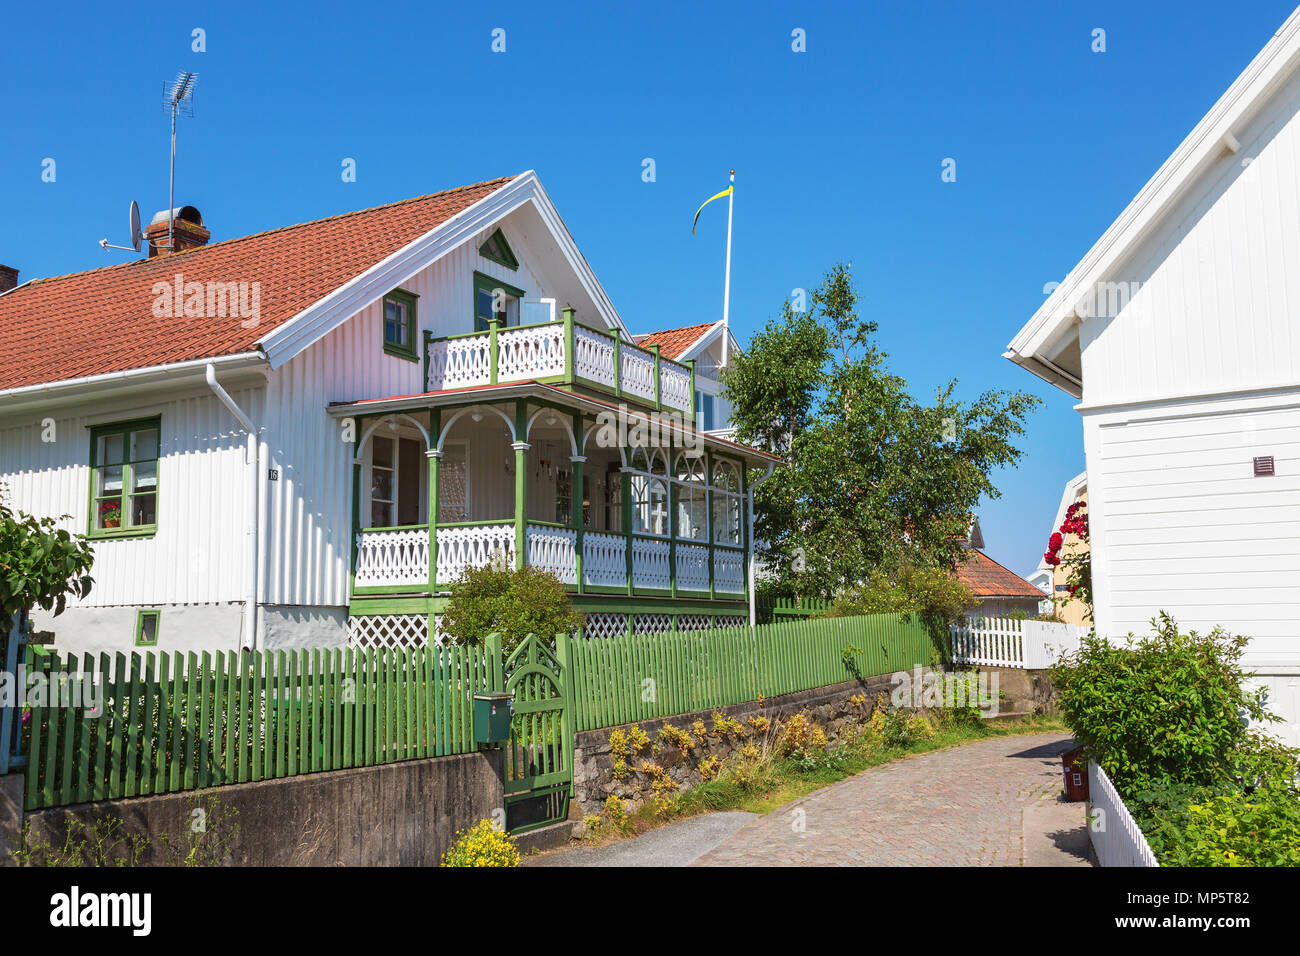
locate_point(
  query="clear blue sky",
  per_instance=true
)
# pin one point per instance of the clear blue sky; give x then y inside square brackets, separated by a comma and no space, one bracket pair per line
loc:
[837,150]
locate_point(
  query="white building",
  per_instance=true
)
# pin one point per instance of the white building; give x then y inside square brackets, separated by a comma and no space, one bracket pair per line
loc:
[251,432]
[1179,333]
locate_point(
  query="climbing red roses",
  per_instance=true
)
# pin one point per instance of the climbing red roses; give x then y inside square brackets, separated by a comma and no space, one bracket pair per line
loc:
[1079,564]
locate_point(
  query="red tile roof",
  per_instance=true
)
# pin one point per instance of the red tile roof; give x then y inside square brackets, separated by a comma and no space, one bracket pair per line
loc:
[673,342]
[101,321]
[987,578]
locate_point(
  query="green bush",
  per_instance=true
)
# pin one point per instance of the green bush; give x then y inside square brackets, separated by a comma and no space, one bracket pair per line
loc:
[1261,828]
[516,602]
[1164,707]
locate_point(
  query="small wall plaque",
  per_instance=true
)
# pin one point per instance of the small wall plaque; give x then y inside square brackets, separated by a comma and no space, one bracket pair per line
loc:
[1263,465]
[273,474]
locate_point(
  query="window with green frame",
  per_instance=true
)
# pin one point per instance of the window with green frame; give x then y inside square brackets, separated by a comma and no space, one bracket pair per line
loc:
[124,478]
[494,297]
[400,324]
[146,628]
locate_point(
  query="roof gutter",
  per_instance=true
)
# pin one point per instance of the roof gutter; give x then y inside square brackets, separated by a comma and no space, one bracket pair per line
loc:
[253,523]
[1049,372]
[73,385]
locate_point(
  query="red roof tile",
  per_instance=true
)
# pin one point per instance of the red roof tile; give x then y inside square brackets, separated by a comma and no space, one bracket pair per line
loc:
[673,342]
[91,323]
[987,578]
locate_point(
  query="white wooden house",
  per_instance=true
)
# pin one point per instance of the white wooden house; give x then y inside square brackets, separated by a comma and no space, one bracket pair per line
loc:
[1179,334]
[252,431]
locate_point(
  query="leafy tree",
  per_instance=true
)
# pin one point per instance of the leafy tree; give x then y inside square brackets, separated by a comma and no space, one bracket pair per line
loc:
[40,565]
[911,589]
[872,479]
[515,602]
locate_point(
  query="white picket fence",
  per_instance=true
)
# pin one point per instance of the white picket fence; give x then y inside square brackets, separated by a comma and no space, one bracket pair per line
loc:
[1116,837]
[1007,642]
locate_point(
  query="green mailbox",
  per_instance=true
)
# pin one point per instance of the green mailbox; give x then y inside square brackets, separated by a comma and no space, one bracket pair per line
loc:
[493,710]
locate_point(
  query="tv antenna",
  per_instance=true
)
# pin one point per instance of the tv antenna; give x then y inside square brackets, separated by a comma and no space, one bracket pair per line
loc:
[179,102]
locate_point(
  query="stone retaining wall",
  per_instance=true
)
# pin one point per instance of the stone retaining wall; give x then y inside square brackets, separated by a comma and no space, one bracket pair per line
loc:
[593,763]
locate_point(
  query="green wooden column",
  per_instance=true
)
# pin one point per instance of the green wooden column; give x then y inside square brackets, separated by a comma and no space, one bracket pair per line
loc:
[672,508]
[520,447]
[658,398]
[744,524]
[578,461]
[356,510]
[708,512]
[690,364]
[618,362]
[627,523]
[568,345]
[435,462]
[494,326]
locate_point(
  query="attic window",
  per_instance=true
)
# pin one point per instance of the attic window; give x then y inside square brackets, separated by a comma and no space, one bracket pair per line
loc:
[498,250]
[400,324]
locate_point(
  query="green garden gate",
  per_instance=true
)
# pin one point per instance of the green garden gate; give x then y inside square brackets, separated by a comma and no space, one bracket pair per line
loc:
[539,757]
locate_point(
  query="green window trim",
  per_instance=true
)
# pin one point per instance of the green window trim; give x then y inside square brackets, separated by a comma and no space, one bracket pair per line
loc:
[144,618]
[131,465]
[498,250]
[409,302]
[486,283]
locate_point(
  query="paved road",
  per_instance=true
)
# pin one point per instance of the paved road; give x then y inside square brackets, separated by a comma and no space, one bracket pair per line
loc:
[991,803]
[674,845]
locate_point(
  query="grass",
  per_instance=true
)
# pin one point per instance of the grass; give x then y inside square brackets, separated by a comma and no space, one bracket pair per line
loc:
[770,781]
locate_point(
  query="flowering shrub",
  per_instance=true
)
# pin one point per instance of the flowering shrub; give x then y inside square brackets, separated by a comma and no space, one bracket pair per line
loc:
[482,845]
[1078,564]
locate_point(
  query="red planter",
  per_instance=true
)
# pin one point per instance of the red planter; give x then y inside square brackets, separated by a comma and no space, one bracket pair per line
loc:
[1075,770]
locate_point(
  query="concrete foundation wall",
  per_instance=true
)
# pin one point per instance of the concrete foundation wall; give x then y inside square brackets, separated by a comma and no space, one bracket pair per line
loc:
[397,814]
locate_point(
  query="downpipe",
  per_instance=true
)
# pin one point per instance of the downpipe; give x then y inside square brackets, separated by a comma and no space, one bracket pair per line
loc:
[254,512]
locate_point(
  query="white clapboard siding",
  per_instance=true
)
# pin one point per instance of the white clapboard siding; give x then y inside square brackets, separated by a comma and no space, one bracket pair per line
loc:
[1205,538]
[1116,837]
[1217,281]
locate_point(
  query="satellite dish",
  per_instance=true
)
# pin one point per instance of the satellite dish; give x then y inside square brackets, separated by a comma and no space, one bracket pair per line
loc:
[136,235]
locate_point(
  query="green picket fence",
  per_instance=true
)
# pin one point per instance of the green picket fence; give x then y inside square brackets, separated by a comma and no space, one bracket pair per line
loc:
[618,680]
[178,722]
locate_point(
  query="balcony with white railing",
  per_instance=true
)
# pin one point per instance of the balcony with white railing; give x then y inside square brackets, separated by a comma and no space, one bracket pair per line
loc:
[562,352]
[397,559]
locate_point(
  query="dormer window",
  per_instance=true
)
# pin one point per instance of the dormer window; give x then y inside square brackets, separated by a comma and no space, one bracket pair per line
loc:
[400,325]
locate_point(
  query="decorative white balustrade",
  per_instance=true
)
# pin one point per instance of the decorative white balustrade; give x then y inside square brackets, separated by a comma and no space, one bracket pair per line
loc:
[728,571]
[473,547]
[650,564]
[638,372]
[537,351]
[593,356]
[692,567]
[460,362]
[531,351]
[604,560]
[392,558]
[554,550]
[400,557]
[675,386]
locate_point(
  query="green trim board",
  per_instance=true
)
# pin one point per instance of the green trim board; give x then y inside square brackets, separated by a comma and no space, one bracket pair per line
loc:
[399,329]
[498,250]
[135,498]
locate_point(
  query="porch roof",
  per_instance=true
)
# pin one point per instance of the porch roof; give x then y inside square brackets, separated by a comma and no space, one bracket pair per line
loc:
[526,389]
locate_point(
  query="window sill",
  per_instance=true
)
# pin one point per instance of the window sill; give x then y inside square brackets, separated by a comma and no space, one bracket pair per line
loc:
[102,535]
[396,351]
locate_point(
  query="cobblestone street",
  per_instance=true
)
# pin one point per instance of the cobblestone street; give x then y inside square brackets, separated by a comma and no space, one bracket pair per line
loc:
[964,806]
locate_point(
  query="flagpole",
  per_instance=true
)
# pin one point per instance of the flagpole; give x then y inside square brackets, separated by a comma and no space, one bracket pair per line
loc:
[726,286]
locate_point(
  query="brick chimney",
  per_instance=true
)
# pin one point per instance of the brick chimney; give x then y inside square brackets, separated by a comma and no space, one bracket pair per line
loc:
[8,278]
[187,230]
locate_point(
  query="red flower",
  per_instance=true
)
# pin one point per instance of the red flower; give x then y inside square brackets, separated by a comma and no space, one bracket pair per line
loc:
[1054,542]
